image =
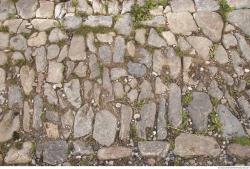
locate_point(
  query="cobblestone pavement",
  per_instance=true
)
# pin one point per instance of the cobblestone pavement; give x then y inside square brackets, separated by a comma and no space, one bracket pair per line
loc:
[128,82]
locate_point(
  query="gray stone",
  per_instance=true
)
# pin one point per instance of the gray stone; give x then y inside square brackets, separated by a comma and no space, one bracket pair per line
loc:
[81,148]
[67,120]
[114,152]
[244,105]
[18,42]
[229,40]
[41,59]
[8,125]
[227,78]
[3,58]
[117,73]
[15,96]
[53,116]
[126,117]
[81,69]
[38,111]
[204,146]
[160,87]
[53,51]
[144,57]
[37,39]
[12,25]
[169,37]
[63,53]
[136,69]
[201,45]
[27,8]
[199,109]
[174,63]
[84,7]
[238,62]
[45,10]
[72,22]
[72,91]
[119,50]
[157,21]
[140,36]
[208,5]
[56,35]
[27,114]
[161,120]
[27,77]
[238,4]
[105,54]
[153,148]
[7,8]
[105,37]
[146,90]
[83,121]
[50,94]
[159,60]
[2,79]
[123,25]
[210,23]
[244,46]
[221,55]
[155,40]
[231,126]
[182,6]
[118,90]
[19,156]
[55,72]
[77,48]
[175,107]
[4,40]
[214,90]
[181,23]
[105,128]
[52,152]
[94,67]
[147,112]
[240,151]
[241,19]
[95,21]
[90,41]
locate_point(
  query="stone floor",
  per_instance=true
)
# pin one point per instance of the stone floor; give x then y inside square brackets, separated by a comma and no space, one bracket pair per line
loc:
[124,82]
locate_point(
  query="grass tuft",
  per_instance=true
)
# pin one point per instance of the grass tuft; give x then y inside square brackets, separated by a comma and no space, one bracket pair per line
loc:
[224,9]
[243,140]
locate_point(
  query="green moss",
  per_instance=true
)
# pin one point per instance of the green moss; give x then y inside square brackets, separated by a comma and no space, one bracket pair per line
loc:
[13,1]
[74,3]
[212,52]
[243,140]
[139,103]
[43,116]
[4,29]
[141,13]
[214,101]
[186,99]
[18,145]
[178,51]
[168,79]
[33,148]
[224,9]
[81,14]
[84,30]
[20,62]
[184,116]
[215,122]
[133,134]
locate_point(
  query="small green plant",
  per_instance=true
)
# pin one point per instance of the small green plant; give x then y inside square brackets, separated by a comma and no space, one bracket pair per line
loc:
[184,116]
[43,116]
[20,62]
[216,125]
[13,1]
[224,9]
[178,51]
[141,13]
[133,134]
[168,80]
[243,140]
[33,148]
[186,99]
[214,101]
[4,29]
[139,103]
[212,52]
[83,30]
[74,3]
